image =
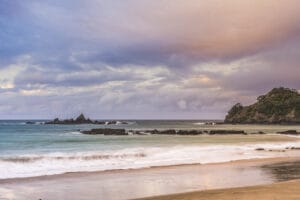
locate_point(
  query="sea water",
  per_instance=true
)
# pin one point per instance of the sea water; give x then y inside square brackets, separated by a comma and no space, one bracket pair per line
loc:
[28,150]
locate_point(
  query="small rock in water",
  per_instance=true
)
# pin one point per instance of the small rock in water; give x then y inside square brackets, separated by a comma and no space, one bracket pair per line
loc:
[295,148]
[105,131]
[223,132]
[289,132]
[166,132]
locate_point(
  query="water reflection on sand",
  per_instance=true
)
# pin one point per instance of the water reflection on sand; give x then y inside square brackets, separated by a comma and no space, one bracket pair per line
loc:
[129,184]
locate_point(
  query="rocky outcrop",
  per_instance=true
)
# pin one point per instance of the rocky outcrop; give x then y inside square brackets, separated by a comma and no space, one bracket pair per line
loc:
[30,122]
[175,132]
[279,106]
[289,132]
[258,133]
[189,132]
[226,132]
[79,120]
[108,131]
[105,131]
[82,120]
[166,132]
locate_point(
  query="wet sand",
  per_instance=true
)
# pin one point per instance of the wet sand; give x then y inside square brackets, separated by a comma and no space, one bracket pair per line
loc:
[288,190]
[130,184]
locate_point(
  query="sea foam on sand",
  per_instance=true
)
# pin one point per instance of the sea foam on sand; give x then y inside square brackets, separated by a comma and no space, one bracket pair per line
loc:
[29,165]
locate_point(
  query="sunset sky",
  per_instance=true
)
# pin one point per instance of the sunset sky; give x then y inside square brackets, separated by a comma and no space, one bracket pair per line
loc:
[143,59]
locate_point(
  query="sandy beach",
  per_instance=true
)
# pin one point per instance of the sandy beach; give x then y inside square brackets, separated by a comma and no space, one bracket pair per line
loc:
[288,190]
[209,179]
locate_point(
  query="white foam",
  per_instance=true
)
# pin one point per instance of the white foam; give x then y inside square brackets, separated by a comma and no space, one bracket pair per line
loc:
[56,163]
[200,123]
[118,122]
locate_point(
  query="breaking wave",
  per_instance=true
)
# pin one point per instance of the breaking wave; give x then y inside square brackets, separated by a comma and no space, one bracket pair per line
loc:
[29,165]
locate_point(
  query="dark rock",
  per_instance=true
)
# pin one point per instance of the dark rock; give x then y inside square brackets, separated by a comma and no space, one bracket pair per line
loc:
[226,132]
[153,131]
[295,148]
[30,122]
[277,150]
[141,133]
[182,132]
[174,132]
[98,122]
[81,120]
[210,123]
[259,132]
[260,149]
[289,132]
[111,122]
[189,132]
[105,131]
[166,132]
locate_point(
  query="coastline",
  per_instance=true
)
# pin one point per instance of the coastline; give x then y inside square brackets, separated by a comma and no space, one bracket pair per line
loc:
[288,190]
[140,183]
[246,162]
[158,151]
[179,164]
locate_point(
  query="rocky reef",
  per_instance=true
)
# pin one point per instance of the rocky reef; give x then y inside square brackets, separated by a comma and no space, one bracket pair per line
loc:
[279,106]
[289,132]
[82,120]
[110,131]
[107,131]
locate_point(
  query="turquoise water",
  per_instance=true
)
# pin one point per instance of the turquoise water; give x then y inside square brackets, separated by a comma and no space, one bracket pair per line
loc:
[16,136]
[39,149]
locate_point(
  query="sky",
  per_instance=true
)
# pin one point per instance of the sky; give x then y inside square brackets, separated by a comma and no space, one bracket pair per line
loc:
[144,59]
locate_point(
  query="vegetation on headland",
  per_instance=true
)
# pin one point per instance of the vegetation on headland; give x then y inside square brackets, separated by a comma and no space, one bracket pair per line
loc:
[279,106]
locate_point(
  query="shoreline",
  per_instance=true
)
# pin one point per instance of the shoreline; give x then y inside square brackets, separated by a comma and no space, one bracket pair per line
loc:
[239,148]
[145,182]
[252,161]
[266,192]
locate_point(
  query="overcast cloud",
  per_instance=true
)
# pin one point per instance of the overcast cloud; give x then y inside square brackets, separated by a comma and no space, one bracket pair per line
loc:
[144,58]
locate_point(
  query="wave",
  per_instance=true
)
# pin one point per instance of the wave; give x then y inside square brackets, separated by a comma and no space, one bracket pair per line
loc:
[26,159]
[205,123]
[117,123]
[29,165]
[22,122]
[200,123]
[77,132]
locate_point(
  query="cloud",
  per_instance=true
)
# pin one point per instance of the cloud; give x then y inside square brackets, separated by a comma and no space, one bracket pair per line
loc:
[176,33]
[144,58]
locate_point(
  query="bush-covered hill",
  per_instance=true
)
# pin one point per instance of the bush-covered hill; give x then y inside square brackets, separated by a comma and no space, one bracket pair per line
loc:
[280,105]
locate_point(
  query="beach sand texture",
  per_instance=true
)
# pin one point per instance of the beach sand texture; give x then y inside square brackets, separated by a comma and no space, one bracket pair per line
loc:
[139,183]
[289,190]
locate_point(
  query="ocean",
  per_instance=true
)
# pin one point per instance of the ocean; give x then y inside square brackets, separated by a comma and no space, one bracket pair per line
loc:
[29,150]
